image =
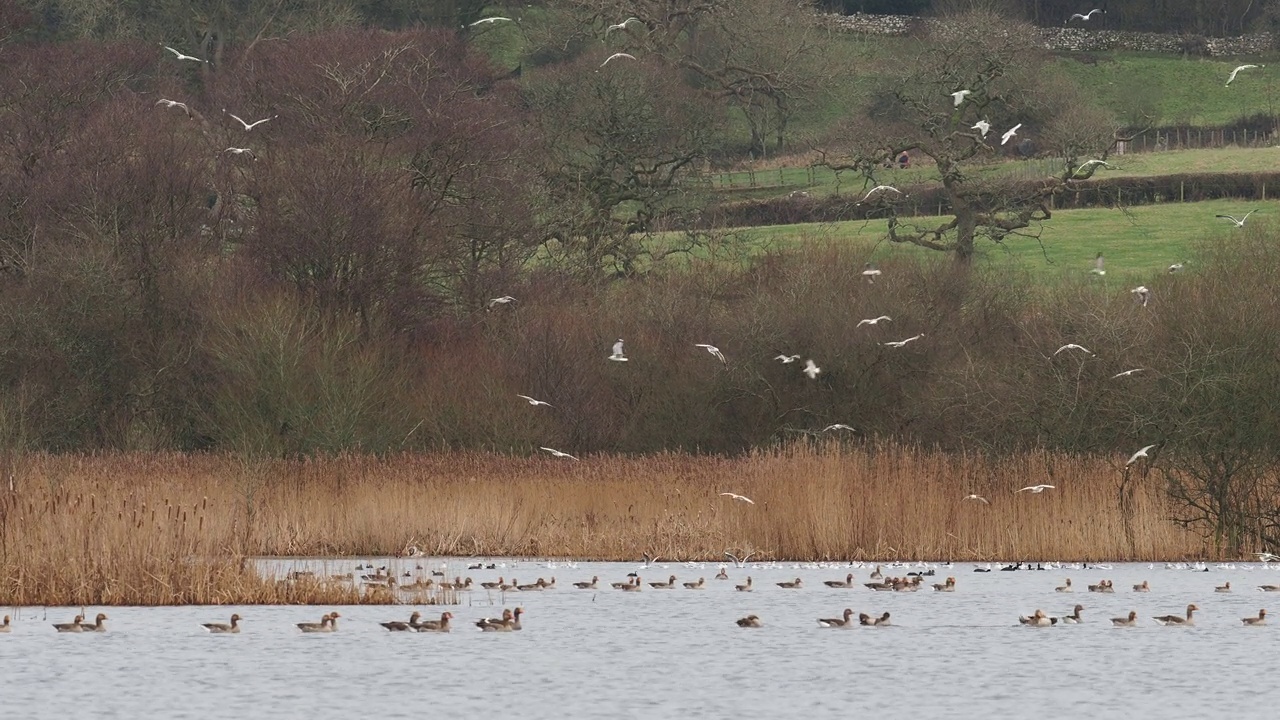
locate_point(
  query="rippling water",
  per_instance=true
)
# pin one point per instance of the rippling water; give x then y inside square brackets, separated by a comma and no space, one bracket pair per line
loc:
[668,653]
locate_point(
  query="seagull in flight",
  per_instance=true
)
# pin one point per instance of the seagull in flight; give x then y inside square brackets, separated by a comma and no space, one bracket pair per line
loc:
[1090,163]
[1036,489]
[977,498]
[250,126]
[713,350]
[535,403]
[787,359]
[982,126]
[874,320]
[1127,373]
[838,426]
[617,355]
[1140,454]
[180,56]
[615,56]
[1009,135]
[811,369]
[870,271]
[1232,76]
[742,498]
[490,20]
[1238,223]
[900,343]
[1141,294]
[556,453]
[958,96]
[241,151]
[1098,265]
[1085,16]
[877,189]
[622,25]
[174,104]
[1073,346]
[505,299]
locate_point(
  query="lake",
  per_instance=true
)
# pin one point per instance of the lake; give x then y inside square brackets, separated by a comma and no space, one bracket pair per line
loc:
[669,653]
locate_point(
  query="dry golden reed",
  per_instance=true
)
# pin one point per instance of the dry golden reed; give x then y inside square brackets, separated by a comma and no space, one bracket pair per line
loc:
[172,529]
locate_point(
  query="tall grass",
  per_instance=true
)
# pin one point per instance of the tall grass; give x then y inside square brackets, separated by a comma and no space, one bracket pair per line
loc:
[170,529]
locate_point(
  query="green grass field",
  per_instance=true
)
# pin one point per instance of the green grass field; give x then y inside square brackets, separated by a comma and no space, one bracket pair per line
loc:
[1137,243]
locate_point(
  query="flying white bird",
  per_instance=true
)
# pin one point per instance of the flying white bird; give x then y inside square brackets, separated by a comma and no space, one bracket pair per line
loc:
[977,498]
[1141,294]
[1085,165]
[874,320]
[870,271]
[713,350]
[1238,223]
[1098,265]
[250,126]
[958,96]
[615,56]
[1140,454]
[1175,267]
[742,498]
[622,25]
[838,426]
[534,402]
[490,20]
[617,355]
[174,104]
[501,300]
[1127,373]
[1073,346]
[811,369]
[180,56]
[1036,489]
[877,189]
[1085,16]
[241,151]
[556,453]
[982,126]
[787,359]
[1232,76]
[900,343]
[1009,135]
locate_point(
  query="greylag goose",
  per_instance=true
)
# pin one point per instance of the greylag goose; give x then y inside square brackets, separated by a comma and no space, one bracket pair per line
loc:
[882,621]
[1038,619]
[325,625]
[493,584]
[744,588]
[98,624]
[531,587]
[76,625]
[1178,619]
[1223,588]
[696,585]
[1130,621]
[636,586]
[750,621]
[723,574]
[668,585]
[548,585]
[588,585]
[502,624]
[794,584]
[401,626]
[1269,588]
[441,625]
[846,583]
[1074,618]
[875,574]
[837,622]
[948,586]
[220,628]
[1260,620]
[4,628]
[509,587]
[620,585]
[1144,587]
[1064,588]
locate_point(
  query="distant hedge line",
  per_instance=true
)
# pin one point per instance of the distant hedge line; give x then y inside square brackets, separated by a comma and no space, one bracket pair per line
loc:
[1105,192]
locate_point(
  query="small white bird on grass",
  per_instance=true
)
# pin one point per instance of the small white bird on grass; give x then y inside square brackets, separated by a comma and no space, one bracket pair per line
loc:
[1085,16]
[838,426]
[900,343]
[622,25]
[556,453]
[494,19]
[535,403]
[1126,373]
[1004,139]
[977,498]
[1036,489]
[1099,265]
[874,320]
[742,498]
[181,56]
[959,95]
[878,188]
[1238,223]
[616,56]
[252,125]
[1140,454]
[617,355]
[505,299]
[174,104]
[870,271]
[713,350]
[1073,346]
[811,369]
[1141,294]
[1232,76]
[982,126]
[1176,267]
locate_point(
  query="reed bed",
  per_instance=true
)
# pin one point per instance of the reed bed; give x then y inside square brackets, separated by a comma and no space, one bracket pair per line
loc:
[158,529]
